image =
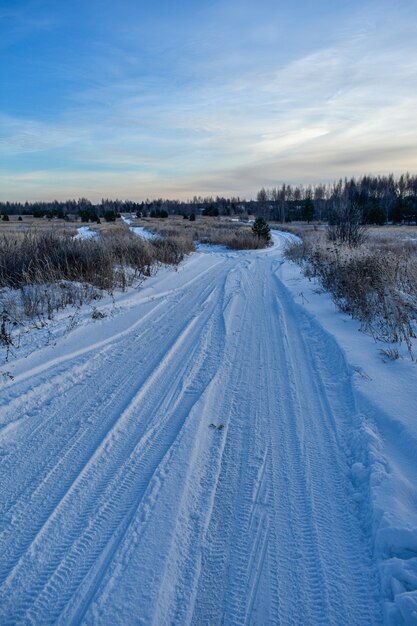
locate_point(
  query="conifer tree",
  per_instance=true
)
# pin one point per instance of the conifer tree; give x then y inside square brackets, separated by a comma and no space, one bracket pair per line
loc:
[261,229]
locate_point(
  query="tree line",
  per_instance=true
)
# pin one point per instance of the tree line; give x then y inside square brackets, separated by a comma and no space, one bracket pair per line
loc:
[84,208]
[378,199]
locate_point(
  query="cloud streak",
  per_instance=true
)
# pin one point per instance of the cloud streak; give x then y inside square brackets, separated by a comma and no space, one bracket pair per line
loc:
[225,120]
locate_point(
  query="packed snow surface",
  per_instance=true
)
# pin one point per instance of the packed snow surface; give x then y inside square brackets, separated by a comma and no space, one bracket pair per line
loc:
[203,457]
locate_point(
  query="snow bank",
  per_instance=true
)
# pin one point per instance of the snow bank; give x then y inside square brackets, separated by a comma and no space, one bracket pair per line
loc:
[85,232]
[140,231]
[386,397]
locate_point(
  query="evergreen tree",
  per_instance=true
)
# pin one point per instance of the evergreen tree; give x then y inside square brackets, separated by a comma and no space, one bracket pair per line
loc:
[261,229]
[307,209]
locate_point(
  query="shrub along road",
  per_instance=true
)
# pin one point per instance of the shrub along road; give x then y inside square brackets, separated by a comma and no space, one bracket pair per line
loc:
[189,462]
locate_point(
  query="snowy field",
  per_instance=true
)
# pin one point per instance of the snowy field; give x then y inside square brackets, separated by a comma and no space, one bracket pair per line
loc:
[224,447]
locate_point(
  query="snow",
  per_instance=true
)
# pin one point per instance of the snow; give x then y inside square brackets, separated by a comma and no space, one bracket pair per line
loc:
[140,231]
[223,447]
[85,232]
[210,248]
[386,397]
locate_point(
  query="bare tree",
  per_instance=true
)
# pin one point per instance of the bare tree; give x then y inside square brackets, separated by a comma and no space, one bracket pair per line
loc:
[346,224]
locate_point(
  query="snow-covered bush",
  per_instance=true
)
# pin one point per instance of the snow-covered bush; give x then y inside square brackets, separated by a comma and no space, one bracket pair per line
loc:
[43,272]
[376,285]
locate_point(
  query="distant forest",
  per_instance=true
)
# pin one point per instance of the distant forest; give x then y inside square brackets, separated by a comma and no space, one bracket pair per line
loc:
[380,199]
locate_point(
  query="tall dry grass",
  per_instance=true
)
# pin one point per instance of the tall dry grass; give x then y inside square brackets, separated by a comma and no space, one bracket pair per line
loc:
[376,282]
[215,231]
[44,269]
[43,272]
[105,263]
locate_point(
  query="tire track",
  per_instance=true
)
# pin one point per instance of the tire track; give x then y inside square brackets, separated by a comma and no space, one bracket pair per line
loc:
[222,593]
[271,555]
[29,468]
[315,425]
[104,473]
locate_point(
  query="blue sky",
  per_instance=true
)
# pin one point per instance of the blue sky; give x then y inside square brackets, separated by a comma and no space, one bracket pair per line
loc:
[140,99]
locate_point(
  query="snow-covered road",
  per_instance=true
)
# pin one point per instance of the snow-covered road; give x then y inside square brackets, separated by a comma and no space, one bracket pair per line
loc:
[194,461]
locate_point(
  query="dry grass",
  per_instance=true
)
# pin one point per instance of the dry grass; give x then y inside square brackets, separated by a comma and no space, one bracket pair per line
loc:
[47,255]
[376,282]
[216,231]
[58,226]
[29,224]
[42,271]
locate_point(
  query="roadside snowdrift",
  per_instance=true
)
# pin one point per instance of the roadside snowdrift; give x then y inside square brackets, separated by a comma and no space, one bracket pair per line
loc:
[386,396]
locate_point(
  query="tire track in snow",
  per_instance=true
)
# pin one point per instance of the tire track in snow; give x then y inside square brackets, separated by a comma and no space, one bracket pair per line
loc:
[237,536]
[174,578]
[276,558]
[325,415]
[192,328]
[41,425]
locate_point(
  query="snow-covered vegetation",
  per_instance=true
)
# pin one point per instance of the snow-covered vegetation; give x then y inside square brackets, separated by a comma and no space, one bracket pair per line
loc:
[231,234]
[376,281]
[43,272]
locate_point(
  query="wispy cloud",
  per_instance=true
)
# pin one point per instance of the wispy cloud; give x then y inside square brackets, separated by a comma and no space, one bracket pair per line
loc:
[228,119]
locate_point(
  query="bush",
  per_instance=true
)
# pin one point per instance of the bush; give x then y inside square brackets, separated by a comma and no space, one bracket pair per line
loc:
[43,272]
[159,213]
[211,211]
[345,225]
[109,216]
[88,215]
[377,286]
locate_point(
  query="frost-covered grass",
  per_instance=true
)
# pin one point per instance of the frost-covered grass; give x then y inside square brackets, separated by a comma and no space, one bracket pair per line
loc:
[43,272]
[375,282]
[47,265]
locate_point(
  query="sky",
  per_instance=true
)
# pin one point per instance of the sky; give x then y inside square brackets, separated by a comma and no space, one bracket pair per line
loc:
[141,99]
